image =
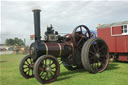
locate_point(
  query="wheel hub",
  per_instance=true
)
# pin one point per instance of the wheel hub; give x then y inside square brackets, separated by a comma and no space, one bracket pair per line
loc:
[48,69]
[97,55]
[31,66]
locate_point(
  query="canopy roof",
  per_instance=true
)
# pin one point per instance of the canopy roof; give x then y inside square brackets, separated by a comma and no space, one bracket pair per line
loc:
[113,24]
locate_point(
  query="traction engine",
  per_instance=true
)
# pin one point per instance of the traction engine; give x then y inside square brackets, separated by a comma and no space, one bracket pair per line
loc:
[78,50]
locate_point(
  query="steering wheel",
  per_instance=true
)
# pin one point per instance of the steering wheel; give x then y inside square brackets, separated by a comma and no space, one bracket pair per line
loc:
[79,34]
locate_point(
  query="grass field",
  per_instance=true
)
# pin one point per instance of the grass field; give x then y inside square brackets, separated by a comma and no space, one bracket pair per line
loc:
[116,74]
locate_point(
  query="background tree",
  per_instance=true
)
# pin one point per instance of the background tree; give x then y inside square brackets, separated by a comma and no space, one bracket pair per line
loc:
[10,42]
[15,41]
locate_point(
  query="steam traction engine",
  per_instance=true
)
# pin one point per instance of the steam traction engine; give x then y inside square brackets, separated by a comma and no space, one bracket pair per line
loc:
[79,50]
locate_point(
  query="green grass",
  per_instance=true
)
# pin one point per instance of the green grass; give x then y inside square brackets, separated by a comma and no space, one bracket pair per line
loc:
[116,74]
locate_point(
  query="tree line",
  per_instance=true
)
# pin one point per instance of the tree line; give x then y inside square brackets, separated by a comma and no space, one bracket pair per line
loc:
[15,41]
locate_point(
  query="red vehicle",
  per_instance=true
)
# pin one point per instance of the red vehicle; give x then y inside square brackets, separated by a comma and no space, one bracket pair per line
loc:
[116,37]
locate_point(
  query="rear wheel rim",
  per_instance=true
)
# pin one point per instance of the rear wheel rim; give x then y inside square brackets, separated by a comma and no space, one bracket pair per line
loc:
[97,55]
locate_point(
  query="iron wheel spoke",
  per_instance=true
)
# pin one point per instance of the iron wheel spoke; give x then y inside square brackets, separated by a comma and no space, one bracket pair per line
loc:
[97,46]
[94,48]
[103,56]
[92,52]
[53,67]
[25,67]
[49,61]
[101,48]
[46,76]
[41,74]
[27,62]
[45,62]
[51,73]
[27,71]
[80,28]
[79,41]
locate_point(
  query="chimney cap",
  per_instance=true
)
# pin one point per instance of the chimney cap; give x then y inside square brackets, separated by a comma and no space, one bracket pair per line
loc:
[36,10]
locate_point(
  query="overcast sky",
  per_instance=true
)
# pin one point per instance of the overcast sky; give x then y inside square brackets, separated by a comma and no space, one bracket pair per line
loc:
[17,17]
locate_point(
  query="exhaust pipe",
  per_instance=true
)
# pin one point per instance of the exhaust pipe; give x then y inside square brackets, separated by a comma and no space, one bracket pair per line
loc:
[37,24]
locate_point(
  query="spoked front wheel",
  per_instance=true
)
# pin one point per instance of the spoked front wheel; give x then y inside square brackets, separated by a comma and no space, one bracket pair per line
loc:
[46,69]
[26,67]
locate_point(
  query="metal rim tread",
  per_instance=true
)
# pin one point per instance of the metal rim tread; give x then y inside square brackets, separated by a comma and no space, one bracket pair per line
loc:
[44,72]
[100,61]
[25,67]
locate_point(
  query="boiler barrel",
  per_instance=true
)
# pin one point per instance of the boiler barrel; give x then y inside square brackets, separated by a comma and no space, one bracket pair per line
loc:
[55,49]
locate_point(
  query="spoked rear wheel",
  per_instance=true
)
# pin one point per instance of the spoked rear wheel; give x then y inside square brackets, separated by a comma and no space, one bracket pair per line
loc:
[46,69]
[95,55]
[26,67]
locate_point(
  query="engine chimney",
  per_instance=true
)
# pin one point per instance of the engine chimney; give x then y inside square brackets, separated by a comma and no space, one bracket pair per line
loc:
[37,23]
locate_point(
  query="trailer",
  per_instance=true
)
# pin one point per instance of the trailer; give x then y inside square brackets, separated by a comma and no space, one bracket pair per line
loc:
[116,37]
